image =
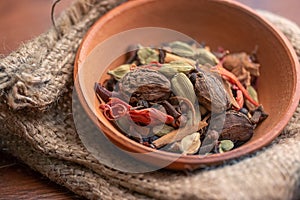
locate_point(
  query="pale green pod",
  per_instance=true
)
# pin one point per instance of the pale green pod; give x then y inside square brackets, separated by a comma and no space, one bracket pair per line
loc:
[225,145]
[182,49]
[174,67]
[147,55]
[252,92]
[190,144]
[204,56]
[182,86]
[120,71]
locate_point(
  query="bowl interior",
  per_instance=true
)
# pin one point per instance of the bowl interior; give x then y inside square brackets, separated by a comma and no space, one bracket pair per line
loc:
[218,23]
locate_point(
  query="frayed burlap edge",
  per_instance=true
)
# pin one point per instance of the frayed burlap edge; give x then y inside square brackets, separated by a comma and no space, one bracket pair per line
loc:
[48,143]
[34,76]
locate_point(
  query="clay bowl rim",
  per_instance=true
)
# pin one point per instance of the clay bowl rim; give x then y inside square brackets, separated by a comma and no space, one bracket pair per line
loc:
[266,139]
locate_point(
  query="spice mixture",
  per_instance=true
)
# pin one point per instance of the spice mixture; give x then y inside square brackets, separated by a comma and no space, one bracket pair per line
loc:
[183,98]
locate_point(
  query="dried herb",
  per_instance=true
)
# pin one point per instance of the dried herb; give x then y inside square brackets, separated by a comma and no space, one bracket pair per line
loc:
[241,65]
[155,93]
[233,79]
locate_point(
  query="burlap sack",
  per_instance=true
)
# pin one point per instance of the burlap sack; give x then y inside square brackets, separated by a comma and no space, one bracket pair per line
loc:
[36,125]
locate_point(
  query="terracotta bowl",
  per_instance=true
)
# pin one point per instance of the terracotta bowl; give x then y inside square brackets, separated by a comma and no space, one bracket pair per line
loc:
[218,23]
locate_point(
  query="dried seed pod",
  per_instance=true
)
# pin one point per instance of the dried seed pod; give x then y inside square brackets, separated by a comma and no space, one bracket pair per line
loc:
[181,49]
[258,115]
[210,91]
[147,55]
[182,86]
[225,145]
[252,92]
[150,92]
[237,127]
[172,57]
[204,56]
[144,84]
[190,144]
[174,67]
[120,71]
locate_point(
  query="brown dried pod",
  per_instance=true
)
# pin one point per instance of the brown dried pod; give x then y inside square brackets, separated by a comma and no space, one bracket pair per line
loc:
[258,115]
[210,91]
[237,127]
[151,93]
[144,84]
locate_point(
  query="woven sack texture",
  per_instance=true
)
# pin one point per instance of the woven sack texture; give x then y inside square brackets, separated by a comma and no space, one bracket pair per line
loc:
[37,126]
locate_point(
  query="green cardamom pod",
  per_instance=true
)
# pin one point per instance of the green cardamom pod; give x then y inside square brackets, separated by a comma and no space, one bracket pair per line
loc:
[252,92]
[174,67]
[147,55]
[225,145]
[182,86]
[120,71]
[204,56]
[182,49]
[190,144]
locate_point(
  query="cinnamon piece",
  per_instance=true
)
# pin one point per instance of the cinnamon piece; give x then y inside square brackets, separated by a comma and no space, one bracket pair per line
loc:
[178,134]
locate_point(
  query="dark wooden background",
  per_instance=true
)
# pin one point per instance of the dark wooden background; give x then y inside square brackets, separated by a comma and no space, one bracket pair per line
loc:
[21,20]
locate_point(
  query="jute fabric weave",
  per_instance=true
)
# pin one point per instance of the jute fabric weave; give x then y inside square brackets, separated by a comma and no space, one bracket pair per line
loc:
[36,125]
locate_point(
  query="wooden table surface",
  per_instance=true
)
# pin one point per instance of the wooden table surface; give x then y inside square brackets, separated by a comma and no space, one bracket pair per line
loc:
[23,20]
